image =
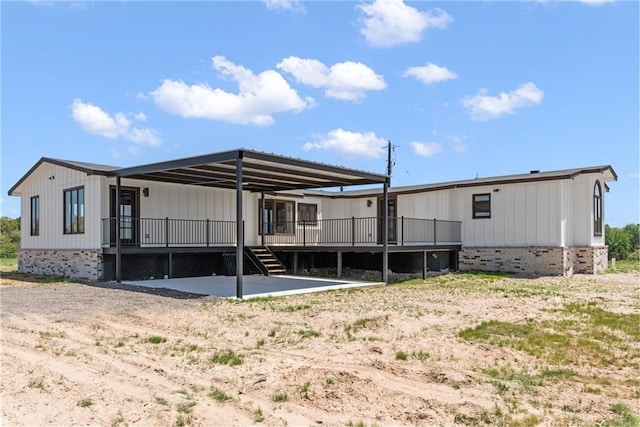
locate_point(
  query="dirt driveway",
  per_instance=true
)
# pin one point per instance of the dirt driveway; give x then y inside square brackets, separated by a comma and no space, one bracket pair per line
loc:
[94,354]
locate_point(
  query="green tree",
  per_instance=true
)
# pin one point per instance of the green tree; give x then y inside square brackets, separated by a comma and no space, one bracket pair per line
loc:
[9,237]
[633,231]
[618,242]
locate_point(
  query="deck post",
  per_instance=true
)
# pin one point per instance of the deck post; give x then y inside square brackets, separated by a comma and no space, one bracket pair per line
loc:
[339,265]
[261,221]
[424,264]
[117,224]
[295,262]
[385,233]
[170,266]
[239,227]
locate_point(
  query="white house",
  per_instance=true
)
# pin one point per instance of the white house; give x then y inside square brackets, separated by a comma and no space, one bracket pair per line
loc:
[191,216]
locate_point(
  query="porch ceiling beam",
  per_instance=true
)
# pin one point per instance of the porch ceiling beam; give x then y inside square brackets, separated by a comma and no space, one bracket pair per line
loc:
[281,174]
[261,172]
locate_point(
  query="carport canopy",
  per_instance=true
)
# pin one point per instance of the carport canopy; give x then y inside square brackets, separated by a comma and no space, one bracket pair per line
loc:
[254,171]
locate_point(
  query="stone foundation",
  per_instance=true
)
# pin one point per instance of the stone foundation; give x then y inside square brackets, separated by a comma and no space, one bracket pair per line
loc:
[538,260]
[74,263]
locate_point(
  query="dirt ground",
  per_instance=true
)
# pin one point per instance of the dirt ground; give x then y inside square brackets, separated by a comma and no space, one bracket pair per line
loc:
[98,354]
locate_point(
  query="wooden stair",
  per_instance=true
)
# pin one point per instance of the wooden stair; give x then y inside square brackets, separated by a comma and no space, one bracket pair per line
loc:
[265,260]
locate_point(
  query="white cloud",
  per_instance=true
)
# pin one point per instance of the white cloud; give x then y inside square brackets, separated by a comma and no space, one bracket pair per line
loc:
[426,149]
[259,97]
[485,107]
[391,22]
[95,120]
[430,73]
[289,5]
[352,144]
[347,81]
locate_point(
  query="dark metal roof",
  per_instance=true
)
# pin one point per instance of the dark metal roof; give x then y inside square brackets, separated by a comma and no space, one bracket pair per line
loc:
[533,176]
[261,172]
[88,168]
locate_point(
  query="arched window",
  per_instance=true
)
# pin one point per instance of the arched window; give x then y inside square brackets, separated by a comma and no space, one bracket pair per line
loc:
[597,209]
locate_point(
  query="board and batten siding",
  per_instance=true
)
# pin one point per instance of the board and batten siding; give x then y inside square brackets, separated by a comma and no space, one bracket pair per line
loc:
[581,204]
[51,193]
[523,214]
[189,202]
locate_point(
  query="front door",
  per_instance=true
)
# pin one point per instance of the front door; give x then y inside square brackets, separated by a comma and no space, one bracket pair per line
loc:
[129,221]
[392,220]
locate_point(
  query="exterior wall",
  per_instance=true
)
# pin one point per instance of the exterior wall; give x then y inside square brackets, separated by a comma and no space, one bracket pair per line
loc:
[556,261]
[74,263]
[51,196]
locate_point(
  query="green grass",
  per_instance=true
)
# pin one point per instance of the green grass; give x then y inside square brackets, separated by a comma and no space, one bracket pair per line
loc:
[280,397]
[85,403]
[228,357]
[401,355]
[162,401]
[294,308]
[258,416]
[155,339]
[52,334]
[218,394]
[11,263]
[186,408]
[624,266]
[586,334]
[308,333]
[623,417]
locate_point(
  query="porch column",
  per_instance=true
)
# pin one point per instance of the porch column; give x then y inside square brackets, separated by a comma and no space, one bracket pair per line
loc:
[117,225]
[295,263]
[424,265]
[385,232]
[261,220]
[339,265]
[239,227]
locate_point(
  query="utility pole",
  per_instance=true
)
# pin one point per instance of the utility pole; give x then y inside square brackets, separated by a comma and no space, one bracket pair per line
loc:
[389,164]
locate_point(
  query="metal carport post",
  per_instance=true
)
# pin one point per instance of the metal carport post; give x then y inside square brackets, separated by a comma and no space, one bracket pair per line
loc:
[239,227]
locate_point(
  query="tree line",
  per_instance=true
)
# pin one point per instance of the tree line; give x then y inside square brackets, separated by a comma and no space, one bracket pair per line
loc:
[624,243]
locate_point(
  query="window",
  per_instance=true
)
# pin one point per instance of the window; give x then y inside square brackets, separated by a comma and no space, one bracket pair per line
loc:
[35,216]
[308,213]
[276,217]
[74,211]
[597,209]
[482,205]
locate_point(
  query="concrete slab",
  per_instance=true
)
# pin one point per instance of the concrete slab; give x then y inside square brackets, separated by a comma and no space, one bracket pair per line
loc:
[253,286]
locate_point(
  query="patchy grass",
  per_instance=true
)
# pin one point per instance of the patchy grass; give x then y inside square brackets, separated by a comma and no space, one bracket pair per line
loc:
[258,416]
[8,264]
[228,357]
[586,334]
[401,355]
[218,394]
[623,417]
[308,333]
[624,266]
[155,339]
[11,276]
[85,403]
[280,397]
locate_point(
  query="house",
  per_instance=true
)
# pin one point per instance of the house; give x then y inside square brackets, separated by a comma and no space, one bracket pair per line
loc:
[248,211]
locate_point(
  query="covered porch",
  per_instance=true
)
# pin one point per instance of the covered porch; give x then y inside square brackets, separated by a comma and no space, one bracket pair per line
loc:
[244,171]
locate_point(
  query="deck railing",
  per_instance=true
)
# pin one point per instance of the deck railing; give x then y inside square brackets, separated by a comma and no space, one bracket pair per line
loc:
[343,231]
[169,232]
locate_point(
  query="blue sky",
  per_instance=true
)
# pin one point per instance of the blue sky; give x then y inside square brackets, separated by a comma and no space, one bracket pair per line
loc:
[462,89]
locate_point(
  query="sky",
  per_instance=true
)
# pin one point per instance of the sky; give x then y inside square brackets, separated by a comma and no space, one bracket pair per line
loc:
[460,89]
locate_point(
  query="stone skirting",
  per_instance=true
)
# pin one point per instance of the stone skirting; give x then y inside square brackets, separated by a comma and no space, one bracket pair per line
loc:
[73,263]
[542,260]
